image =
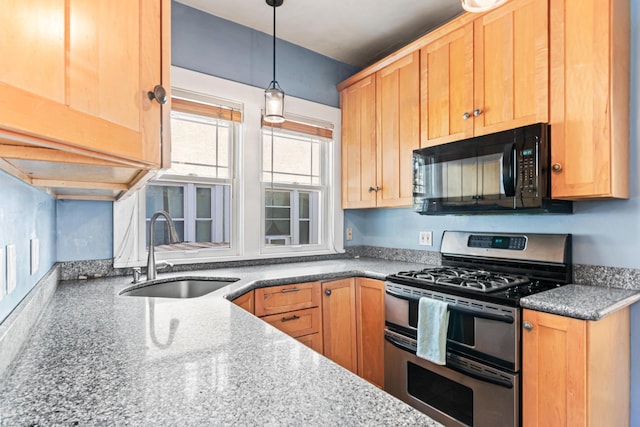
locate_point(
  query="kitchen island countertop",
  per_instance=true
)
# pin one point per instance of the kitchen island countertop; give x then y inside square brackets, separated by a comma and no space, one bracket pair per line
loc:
[96,357]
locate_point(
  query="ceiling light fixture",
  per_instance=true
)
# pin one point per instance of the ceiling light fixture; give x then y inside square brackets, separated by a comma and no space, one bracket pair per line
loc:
[478,6]
[273,95]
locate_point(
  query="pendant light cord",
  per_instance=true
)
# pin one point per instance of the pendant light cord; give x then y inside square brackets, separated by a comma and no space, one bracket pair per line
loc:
[274,41]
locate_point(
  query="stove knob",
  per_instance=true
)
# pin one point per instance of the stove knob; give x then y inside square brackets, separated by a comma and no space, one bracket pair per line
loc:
[528,326]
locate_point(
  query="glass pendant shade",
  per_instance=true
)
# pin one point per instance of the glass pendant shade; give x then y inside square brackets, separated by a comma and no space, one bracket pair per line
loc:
[477,6]
[274,103]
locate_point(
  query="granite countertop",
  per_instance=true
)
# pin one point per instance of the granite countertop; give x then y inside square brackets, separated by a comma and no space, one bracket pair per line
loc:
[581,301]
[96,357]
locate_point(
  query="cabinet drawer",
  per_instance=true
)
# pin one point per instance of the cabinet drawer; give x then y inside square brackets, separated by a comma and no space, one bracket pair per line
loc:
[296,323]
[280,299]
[313,341]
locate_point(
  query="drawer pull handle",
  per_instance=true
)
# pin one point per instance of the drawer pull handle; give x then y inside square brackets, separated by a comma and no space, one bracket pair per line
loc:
[294,317]
[284,291]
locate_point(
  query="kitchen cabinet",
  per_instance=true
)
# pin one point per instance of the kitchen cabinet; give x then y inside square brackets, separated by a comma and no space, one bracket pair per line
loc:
[590,98]
[370,329]
[75,115]
[486,76]
[381,128]
[575,372]
[294,309]
[246,301]
[339,322]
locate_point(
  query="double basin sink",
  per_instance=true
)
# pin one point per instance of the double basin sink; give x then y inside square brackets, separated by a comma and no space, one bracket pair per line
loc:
[180,287]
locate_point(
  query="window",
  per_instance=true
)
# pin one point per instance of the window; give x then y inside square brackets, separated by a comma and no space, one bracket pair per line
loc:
[237,188]
[293,176]
[196,190]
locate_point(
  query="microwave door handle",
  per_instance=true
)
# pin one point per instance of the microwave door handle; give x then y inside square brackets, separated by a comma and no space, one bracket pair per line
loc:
[478,314]
[508,170]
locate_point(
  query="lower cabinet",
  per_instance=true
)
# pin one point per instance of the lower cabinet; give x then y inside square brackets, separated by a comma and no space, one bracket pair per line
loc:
[575,372]
[353,326]
[246,301]
[294,309]
[339,322]
[342,319]
[370,329]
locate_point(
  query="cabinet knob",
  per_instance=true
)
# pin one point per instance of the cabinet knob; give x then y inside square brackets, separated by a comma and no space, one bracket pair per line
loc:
[371,189]
[327,292]
[477,112]
[465,116]
[159,94]
[528,326]
[557,167]
[377,188]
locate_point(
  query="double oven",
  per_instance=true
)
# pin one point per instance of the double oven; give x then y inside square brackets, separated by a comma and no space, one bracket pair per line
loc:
[482,278]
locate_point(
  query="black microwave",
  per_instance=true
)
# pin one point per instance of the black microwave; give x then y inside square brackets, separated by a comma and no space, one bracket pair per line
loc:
[503,172]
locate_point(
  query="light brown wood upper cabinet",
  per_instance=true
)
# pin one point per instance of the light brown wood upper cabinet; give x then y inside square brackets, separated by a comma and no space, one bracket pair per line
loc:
[575,372]
[381,127]
[590,98]
[487,75]
[75,87]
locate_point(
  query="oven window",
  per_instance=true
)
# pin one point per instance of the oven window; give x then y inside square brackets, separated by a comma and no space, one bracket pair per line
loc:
[461,327]
[441,393]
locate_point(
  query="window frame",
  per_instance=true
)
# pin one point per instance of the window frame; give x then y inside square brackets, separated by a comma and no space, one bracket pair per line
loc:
[247,208]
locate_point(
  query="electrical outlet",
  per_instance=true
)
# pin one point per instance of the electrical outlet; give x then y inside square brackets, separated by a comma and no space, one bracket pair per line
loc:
[426,238]
[35,255]
[349,233]
[11,268]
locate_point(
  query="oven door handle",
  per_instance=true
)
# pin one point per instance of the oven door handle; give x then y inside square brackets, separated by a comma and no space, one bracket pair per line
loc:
[476,375]
[480,315]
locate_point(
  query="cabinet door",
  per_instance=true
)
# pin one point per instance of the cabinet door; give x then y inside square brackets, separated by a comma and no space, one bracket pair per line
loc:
[398,124]
[358,103]
[370,329]
[511,67]
[554,370]
[79,76]
[446,87]
[589,98]
[575,372]
[339,323]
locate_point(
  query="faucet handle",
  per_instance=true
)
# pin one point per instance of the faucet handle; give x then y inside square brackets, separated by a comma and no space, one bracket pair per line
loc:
[136,275]
[163,264]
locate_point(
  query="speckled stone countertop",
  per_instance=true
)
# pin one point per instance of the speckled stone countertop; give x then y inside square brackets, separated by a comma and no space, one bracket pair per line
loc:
[581,301]
[98,358]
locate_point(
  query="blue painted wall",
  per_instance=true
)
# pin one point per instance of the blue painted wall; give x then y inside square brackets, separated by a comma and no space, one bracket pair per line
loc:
[211,45]
[25,213]
[84,230]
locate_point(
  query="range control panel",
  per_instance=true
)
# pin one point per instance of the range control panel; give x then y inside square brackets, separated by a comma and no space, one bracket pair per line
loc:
[515,243]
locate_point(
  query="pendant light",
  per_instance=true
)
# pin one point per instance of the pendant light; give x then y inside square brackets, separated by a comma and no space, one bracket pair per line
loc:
[273,95]
[478,6]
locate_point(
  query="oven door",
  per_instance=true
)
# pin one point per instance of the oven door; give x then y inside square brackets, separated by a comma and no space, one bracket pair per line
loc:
[463,393]
[484,331]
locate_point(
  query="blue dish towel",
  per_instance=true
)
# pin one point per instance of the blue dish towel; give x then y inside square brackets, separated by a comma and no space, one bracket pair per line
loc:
[433,320]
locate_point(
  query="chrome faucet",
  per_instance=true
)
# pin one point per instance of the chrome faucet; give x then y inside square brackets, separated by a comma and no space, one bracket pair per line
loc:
[173,237]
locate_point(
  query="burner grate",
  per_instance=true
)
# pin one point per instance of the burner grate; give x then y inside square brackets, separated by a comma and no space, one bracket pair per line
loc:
[476,280]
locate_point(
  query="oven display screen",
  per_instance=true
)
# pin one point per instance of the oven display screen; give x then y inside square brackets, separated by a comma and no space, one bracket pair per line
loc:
[515,243]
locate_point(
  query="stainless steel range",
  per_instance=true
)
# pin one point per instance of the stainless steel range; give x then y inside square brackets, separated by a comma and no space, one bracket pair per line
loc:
[482,278]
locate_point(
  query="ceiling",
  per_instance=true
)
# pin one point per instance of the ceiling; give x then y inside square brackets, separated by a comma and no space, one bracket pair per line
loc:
[357,32]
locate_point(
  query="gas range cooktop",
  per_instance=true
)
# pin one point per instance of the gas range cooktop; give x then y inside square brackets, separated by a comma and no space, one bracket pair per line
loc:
[498,268]
[474,280]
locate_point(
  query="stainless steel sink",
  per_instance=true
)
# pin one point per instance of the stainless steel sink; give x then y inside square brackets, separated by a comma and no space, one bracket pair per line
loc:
[177,288]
